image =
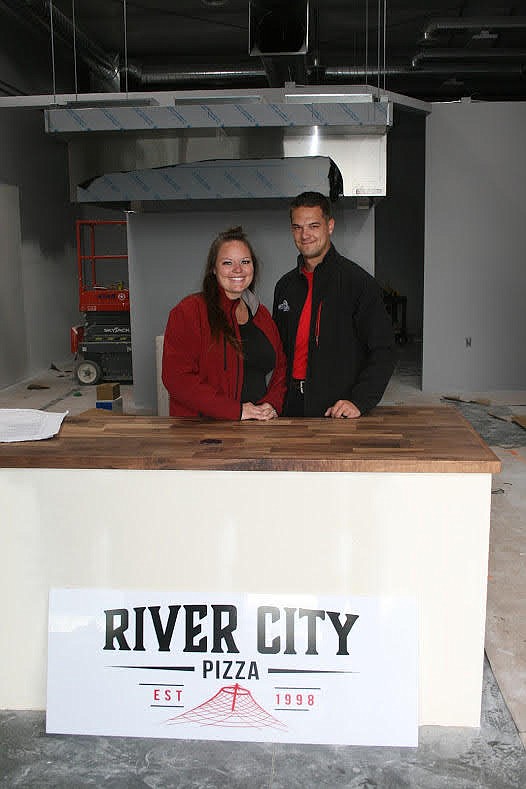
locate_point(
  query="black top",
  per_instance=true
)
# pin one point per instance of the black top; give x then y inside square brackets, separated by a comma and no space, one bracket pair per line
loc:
[259,359]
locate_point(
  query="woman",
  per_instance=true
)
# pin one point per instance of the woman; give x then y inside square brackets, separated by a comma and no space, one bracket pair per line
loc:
[221,344]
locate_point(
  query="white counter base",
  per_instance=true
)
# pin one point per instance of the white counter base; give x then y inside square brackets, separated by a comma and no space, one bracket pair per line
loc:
[421,535]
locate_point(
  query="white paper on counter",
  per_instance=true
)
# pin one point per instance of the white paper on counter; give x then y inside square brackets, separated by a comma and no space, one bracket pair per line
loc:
[28,424]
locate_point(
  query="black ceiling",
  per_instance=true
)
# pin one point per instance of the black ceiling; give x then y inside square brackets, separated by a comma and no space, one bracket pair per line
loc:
[427,50]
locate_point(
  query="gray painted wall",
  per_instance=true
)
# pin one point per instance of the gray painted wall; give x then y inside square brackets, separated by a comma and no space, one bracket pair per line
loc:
[167,255]
[37,256]
[39,264]
[475,248]
[13,340]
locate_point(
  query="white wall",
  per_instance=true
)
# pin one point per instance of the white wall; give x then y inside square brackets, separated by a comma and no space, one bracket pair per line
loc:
[167,254]
[475,247]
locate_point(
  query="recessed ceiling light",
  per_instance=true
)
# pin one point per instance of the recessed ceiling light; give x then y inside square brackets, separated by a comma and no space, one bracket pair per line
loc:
[212,3]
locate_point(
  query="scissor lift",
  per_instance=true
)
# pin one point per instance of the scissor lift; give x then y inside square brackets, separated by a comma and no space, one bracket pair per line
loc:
[102,344]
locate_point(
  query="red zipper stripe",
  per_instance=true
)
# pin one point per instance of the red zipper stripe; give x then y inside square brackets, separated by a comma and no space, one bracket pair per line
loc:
[317,329]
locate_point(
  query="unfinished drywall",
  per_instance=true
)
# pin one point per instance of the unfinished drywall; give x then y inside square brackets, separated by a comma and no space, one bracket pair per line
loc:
[475,247]
[167,255]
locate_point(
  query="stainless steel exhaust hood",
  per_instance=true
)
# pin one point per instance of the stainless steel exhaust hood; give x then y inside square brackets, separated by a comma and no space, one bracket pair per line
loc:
[195,145]
[221,179]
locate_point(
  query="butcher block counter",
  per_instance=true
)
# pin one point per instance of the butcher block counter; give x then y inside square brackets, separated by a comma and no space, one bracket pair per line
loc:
[433,439]
[394,504]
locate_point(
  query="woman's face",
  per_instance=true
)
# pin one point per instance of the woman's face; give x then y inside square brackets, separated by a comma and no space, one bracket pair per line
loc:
[234,268]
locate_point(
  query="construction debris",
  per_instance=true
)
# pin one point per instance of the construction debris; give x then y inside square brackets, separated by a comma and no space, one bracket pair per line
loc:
[497,398]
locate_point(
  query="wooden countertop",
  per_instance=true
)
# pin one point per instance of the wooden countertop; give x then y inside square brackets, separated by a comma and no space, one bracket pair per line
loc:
[389,439]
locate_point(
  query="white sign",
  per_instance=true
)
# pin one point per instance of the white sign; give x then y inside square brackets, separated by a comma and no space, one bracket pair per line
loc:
[264,668]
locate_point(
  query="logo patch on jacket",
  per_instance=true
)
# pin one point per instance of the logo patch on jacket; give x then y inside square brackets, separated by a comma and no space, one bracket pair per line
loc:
[284,306]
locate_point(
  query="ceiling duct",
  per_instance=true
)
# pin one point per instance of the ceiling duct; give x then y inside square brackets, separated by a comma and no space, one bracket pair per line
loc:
[193,75]
[279,35]
[450,25]
[37,14]
[277,28]
[473,55]
[481,56]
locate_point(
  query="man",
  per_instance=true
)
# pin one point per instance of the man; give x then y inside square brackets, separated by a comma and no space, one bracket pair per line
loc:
[335,330]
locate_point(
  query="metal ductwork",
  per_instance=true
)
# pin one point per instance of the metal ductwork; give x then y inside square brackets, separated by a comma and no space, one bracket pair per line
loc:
[464,69]
[283,36]
[277,28]
[275,72]
[450,25]
[195,74]
[280,70]
[146,77]
[477,57]
[470,54]
[37,14]
[279,35]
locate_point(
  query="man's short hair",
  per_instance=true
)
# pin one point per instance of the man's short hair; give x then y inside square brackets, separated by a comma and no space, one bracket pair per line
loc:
[311,200]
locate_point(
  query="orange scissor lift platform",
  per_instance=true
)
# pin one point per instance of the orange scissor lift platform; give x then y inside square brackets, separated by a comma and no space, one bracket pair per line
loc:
[102,344]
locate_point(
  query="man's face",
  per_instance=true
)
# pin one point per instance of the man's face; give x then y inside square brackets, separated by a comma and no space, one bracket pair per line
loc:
[312,234]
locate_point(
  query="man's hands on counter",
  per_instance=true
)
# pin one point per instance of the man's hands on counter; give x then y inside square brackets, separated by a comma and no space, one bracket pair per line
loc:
[263,412]
[343,409]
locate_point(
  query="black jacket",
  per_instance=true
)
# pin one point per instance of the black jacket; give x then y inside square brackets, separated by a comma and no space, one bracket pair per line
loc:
[351,341]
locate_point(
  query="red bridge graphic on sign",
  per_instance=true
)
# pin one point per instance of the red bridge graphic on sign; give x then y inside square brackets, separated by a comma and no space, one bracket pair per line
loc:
[233,706]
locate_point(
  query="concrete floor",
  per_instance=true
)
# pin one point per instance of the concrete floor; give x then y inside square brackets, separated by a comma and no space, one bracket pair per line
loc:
[490,758]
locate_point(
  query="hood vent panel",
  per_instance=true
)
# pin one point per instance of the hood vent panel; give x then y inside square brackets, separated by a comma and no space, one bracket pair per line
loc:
[222,179]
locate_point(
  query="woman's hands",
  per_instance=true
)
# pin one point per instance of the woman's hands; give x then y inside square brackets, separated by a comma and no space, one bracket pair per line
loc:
[263,411]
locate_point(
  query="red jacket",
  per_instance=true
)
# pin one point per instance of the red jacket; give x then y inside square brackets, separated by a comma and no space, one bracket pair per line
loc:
[203,376]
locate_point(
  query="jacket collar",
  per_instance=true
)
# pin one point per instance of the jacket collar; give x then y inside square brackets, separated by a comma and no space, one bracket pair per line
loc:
[248,296]
[329,258]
